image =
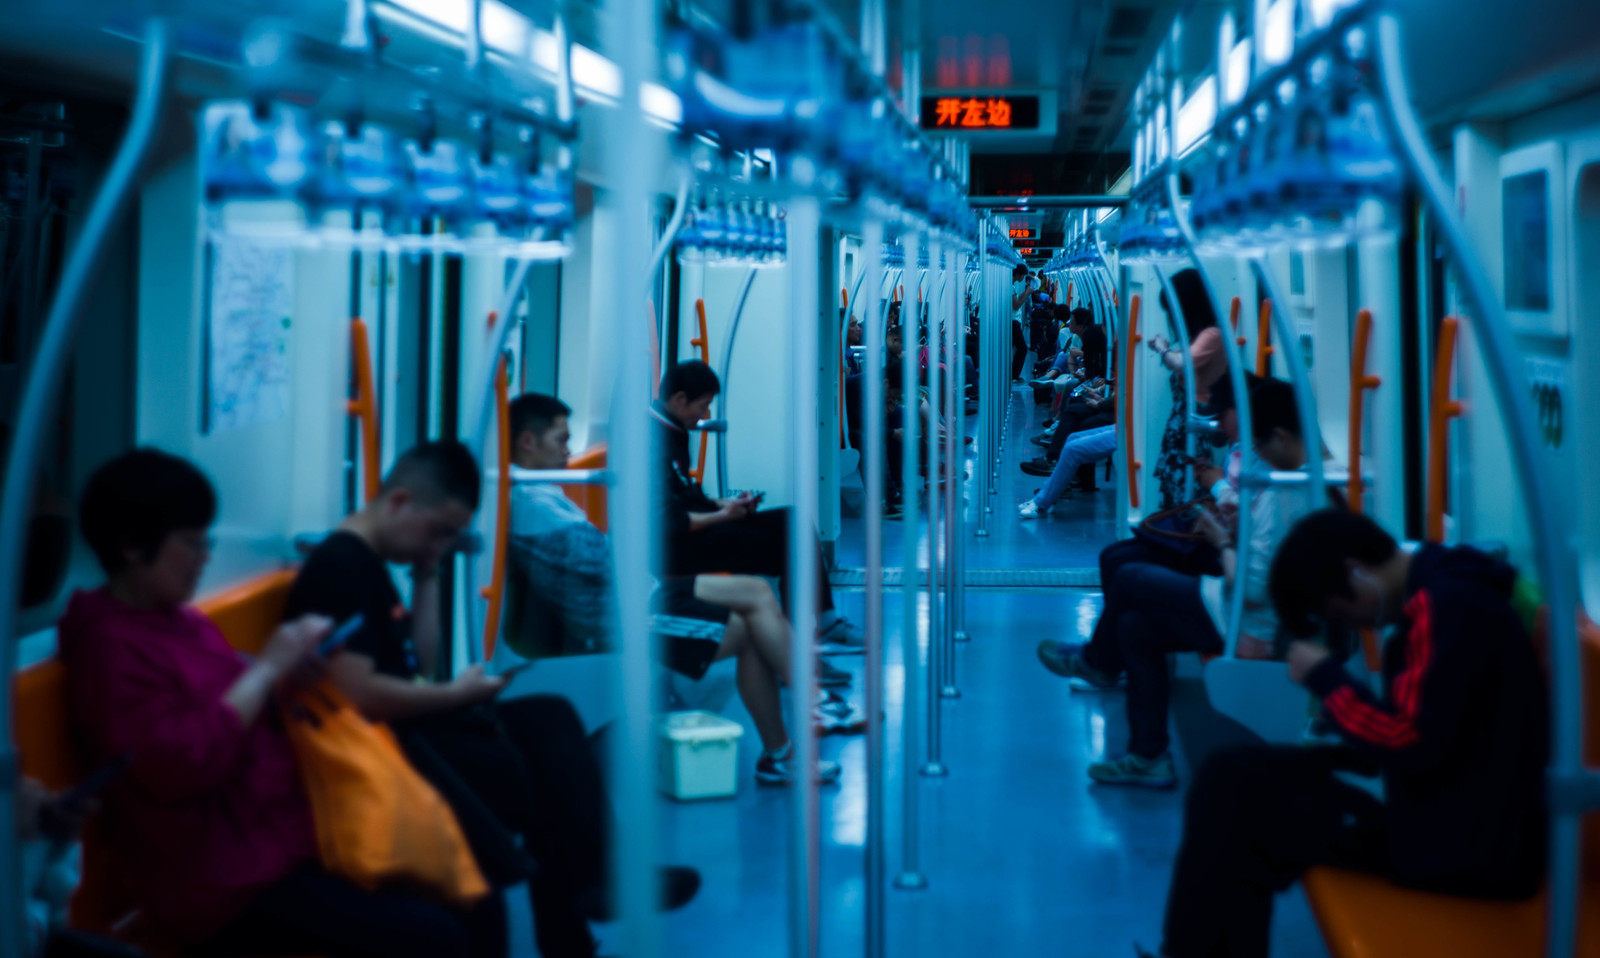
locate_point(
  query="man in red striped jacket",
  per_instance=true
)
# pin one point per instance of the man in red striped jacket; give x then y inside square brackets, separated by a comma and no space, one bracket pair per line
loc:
[1460,737]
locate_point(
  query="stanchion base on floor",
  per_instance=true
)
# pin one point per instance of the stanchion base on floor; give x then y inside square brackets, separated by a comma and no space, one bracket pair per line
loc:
[950,692]
[962,636]
[935,770]
[911,881]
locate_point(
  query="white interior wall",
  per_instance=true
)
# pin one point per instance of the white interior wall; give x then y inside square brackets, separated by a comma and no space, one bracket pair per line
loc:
[1486,499]
[755,400]
[274,478]
[1383,444]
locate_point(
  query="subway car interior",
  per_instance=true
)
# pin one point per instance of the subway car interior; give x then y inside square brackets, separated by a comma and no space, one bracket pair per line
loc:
[720,478]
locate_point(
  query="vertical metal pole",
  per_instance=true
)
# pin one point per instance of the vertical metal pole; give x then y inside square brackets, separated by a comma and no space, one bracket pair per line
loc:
[876,866]
[934,766]
[1181,329]
[1570,782]
[804,864]
[955,429]
[910,876]
[1299,377]
[959,513]
[50,362]
[987,377]
[629,165]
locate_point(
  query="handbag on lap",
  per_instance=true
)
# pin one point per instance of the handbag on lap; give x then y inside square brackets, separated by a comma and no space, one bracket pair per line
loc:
[1174,528]
[377,820]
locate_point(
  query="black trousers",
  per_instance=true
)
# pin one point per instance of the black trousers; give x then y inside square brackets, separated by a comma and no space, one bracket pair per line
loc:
[1255,819]
[893,453]
[757,545]
[1019,350]
[1202,561]
[312,912]
[1077,417]
[528,760]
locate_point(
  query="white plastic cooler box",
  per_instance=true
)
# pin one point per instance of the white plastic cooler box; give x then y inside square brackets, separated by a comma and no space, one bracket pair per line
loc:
[697,755]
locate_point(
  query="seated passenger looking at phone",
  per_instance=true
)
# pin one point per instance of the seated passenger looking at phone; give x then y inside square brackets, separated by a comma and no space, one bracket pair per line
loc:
[562,579]
[1151,611]
[724,535]
[1094,406]
[526,761]
[210,826]
[1460,735]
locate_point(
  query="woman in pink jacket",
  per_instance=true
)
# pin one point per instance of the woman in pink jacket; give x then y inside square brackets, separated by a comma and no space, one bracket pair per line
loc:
[210,825]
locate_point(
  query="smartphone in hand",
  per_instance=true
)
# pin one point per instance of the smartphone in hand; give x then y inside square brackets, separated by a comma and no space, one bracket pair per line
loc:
[339,636]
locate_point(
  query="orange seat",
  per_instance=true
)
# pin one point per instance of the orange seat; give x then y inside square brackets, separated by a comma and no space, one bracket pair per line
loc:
[592,499]
[247,614]
[1365,916]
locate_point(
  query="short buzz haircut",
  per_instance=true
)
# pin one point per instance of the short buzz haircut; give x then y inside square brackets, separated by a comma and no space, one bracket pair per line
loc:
[1310,566]
[692,378]
[133,502]
[1082,314]
[536,413]
[1273,406]
[437,472]
[1018,271]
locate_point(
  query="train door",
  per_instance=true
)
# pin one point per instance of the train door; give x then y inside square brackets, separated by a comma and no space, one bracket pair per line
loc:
[1566,414]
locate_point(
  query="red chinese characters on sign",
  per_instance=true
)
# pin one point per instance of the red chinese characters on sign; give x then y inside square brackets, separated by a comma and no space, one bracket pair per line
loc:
[973,113]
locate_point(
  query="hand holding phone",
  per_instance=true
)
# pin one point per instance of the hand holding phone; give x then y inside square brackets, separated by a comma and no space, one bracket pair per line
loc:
[344,633]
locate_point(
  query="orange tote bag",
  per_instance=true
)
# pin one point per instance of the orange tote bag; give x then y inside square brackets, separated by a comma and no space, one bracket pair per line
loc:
[377,820]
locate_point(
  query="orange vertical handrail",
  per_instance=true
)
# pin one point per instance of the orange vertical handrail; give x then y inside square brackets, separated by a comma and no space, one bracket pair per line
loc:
[698,473]
[1264,349]
[1127,400]
[365,408]
[1360,382]
[494,592]
[1443,410]
[1233,321]
[1070,290]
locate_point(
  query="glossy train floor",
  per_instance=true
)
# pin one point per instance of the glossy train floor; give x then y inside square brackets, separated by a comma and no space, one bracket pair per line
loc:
[1022,855]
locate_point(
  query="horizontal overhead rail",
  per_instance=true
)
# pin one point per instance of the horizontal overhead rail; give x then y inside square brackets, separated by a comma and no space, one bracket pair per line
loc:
[1064,201]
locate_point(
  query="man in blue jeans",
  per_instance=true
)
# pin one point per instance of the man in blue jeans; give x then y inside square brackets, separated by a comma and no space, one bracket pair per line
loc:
[1091,445]
[1152,610]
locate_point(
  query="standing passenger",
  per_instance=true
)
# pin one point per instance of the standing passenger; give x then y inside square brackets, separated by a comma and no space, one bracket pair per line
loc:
[1206,345]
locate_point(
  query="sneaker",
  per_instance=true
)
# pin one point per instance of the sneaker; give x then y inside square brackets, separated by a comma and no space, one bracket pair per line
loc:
[893,511]
[1031,510]
[832,704]
[832,677]
[779,769]
[1130,769]
[853,723]
[1042,466]
[841,637]
[1066,660]
[1043,439]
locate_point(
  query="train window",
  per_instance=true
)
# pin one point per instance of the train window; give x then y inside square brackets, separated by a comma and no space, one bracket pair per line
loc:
[1533,189]
[1297,273]
[1526,208]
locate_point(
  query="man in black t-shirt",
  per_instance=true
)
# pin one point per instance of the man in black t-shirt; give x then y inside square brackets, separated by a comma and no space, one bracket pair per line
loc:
[525,763]
[705,535]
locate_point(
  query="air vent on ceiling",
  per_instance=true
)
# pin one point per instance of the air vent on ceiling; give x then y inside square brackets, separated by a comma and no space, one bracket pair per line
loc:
[1129,23]
[1102,94]
[1119,50]
[1097,109]
[1084,132]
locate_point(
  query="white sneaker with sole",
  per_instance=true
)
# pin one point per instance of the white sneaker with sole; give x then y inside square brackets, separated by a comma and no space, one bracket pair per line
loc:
[1031,510]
